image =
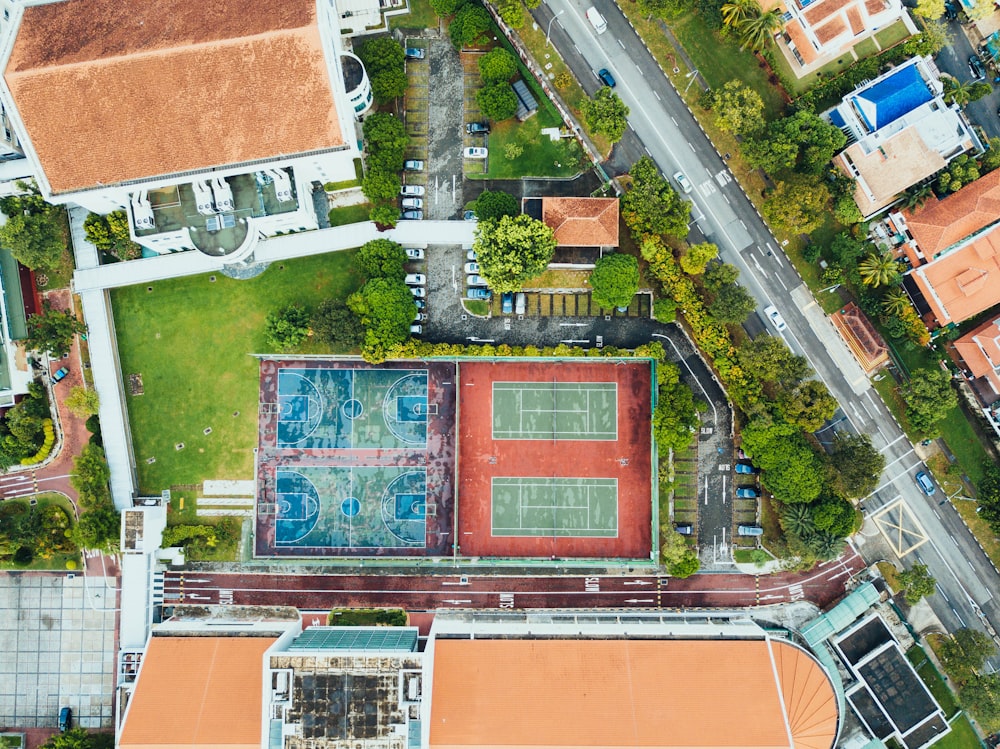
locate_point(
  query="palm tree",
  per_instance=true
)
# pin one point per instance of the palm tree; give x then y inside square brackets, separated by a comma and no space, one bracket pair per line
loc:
[757,30]
[825,545]
[797,519]
[916,196]
[878,269]
[896,302]
[736,12]
[956,91]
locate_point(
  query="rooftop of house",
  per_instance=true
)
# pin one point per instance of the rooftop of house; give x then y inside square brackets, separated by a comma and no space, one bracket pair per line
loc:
[963,282]
[582,222]
[885,101]
[980,349]
[636,693]
[164,87]
[938,224]
[197,692]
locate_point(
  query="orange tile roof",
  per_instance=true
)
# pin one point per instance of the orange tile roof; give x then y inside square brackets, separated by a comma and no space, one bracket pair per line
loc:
[938,224]
[155,88]
[582,222]
[822,10]
[980,349]
[963,282]
[197,692]
[868,347]
[854,18]
[830,30]
[798,36]
[634,693]
[874,7]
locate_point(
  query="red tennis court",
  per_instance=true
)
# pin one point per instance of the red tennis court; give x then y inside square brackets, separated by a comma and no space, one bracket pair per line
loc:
[555,459]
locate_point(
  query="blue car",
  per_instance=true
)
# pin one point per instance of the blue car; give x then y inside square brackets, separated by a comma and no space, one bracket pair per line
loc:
[606,78]
[507,302]
[59,374]
[925,483]
[478,292]
[745,492]
[746,468]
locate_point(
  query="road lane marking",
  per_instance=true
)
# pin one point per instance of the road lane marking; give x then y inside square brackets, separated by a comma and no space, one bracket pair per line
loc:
[657,95]
[620,43]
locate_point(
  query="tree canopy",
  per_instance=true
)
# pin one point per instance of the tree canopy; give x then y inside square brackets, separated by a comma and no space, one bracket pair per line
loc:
[469,26]
[797,205]
[52,331]
[494,204]
[737,108]
[497,101]
[383,59]
[679,559]
[808,405]
[651,205]
[732,304]
[34,239]
[111,234]
[791,470]
[768,359]
[287,327]
[82,402]
[917,583]
[606,113]
[802,142]
[697,256]
[386,140]
[336,325]
[615,280]
[675,417]
[382,258]
[497,65]
[386,309]
[512,249]
[856,464]
[929,396]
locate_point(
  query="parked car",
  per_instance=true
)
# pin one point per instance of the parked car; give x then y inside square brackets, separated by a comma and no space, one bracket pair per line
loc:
[59,374]
[746,492]
[507,302]
[478,128]
[413,215]
[478,292]
[415,53]
[685,529]
[415,279]
[746,468]
[750,530]
[413,203]
[470,255]
[775,318]
[413,165]
[683,182]
[519,302]
[469,216]
[420,303]
[416,329]
[419,292]
[606,78]
[925,483]
[475,280]
[65,719]
[976,67]
[415,253]
[475,152]
[411,190]
[420,317]
[472,267]
[950,11]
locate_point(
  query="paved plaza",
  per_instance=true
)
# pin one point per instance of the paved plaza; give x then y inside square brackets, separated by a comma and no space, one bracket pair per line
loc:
[65,649]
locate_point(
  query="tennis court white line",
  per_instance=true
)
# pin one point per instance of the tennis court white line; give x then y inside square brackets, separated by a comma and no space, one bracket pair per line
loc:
[587,412]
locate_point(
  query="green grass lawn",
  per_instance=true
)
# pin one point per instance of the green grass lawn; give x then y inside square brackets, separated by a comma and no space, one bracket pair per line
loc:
[349,214]
[191,340]
[962,736]
[892,35]
[541,157]
[937,686]
[721,60]
[421,16]
[866,48]
[798,86]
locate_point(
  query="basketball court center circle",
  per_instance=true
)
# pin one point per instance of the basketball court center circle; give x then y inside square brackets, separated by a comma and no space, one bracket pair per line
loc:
[353,408]
[350,506]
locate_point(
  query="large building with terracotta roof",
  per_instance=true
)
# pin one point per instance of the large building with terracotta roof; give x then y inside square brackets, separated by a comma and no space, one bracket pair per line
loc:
[208,123]
[899,132]
[582,222]
[819,31]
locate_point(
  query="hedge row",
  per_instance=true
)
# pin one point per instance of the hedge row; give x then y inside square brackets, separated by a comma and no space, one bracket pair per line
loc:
[46,448]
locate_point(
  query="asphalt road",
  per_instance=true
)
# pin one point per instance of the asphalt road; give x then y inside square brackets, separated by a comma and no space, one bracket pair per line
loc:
[954,60]
[724,214]
[313,592]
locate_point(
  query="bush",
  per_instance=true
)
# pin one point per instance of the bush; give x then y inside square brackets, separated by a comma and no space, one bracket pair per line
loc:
[367,617]
[497,101]
[497,66]
[24,556]
[286,328]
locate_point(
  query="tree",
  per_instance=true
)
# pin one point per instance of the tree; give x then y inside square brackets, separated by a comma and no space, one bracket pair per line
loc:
[733,304]
[675,417]
[960,171]
[929,397]
[286,328]
[615,280]
[665,310]
[797,205]
[980,9]
[382,258]
[991,158]
[78,738]
[834,515]
[512,12]
[386,142]
[90,475]
[791,469]
[931,9]
[956,91]
[797,519]
[83,402]
[383,59]
[676,556]
[384,215]
[917,582]
[98,528]
[335,325]
[988,494]
[697,256]
[497,101]
[803,142]
[651,205]
[381,185]
[965,651]
[33,239]
[469,26]
[856,464]
[606,113]
[808,405]
[825,545]
[512,249]
[445,8]
[756,31]
[719,275]
[980,695]
[896,302]
[52,331]
[738,108]
[111,234]
[386,309]
[736,12]
[494,204]
[767,359]
[497,66]
[879,269]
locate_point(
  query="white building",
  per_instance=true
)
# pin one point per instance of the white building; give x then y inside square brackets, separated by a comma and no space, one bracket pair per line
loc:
[208,123]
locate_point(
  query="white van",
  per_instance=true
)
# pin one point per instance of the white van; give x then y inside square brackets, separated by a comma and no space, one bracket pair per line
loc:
[596,20]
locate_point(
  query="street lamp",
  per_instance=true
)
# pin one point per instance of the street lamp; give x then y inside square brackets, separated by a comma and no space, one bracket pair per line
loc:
[691,76]
[549,27]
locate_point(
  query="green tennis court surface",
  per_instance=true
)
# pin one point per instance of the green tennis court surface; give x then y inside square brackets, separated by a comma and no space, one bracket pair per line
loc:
[555,411]
[565,507]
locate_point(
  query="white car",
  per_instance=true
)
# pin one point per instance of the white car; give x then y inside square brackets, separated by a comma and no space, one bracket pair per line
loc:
[475,280]
[419,292]
[470,255]
[420,317]
[682,182]
[416,329]
[775,318]
[412,203]
[472,267]
[414,253]
[411,191]
[475,152]
[415,279]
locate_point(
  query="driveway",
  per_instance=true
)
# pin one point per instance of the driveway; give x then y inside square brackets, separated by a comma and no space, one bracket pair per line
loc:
[444,198]
[953,60]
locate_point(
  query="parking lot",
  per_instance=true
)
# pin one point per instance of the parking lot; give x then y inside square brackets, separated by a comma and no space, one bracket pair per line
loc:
[64,641]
